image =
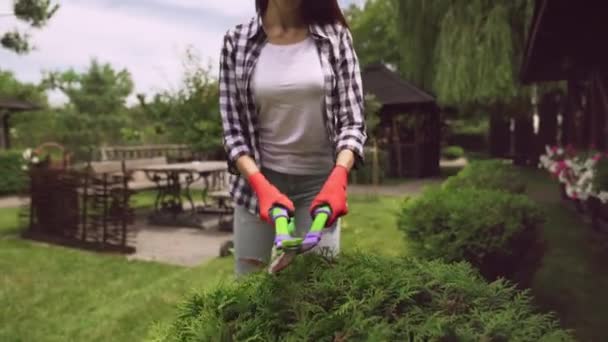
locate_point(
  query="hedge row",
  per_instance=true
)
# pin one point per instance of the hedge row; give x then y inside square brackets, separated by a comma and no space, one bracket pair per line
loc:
[12,178]
[488,174]
[480,216]
[362,297]
[459,236]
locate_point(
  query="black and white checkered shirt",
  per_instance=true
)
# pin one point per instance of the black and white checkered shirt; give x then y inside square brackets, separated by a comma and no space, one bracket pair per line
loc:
[344,119]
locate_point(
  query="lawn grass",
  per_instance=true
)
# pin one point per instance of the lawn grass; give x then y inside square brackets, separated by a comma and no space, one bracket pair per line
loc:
[50,293]
[573,280]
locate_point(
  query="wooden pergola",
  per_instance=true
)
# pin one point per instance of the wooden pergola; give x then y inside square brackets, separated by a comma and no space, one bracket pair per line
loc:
[566,42]
[413,150]
[7,108]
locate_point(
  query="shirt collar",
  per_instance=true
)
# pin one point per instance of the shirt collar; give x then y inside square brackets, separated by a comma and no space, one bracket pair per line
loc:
[257,28]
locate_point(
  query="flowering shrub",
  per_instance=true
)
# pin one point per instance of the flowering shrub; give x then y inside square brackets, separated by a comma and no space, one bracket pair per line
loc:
[30,158]
[576,171]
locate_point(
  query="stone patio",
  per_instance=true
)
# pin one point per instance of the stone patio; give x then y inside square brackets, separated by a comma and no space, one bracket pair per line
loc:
[180,246]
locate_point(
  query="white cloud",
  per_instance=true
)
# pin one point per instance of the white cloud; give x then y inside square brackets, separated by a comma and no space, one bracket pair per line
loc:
[147,38]
[235,8]
[151,48]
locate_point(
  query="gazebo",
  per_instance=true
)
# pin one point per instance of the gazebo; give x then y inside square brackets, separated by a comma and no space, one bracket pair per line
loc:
[566,42]
[410,123]
[7,108]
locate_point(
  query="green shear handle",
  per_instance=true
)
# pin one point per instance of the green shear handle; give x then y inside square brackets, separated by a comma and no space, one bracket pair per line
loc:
[285,228]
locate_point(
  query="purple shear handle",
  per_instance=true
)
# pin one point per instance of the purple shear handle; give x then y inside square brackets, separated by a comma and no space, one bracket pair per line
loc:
[311,240]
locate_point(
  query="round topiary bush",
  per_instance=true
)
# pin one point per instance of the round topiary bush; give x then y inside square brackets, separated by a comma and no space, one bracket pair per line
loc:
[497,232]
[452,152]
[488,174]
[361,297]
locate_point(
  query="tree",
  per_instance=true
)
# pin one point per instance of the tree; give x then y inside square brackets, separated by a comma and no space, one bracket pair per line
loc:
[96,111]
[32,127]
[418,24]
[189,115]
[12,88]
[375,34]
[466,51]
[35,13]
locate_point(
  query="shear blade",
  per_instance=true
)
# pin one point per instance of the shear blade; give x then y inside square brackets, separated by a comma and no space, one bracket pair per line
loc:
[282,261]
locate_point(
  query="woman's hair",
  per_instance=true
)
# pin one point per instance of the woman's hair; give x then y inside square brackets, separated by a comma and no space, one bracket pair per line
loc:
[319,12]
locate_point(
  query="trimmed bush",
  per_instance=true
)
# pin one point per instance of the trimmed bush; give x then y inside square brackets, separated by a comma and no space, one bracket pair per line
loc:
[363,298]
[495,231]
[12,178]
[490,174]
[452,152]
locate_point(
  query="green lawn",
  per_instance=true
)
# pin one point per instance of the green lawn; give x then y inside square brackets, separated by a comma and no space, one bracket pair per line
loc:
[50,293]
[573,280]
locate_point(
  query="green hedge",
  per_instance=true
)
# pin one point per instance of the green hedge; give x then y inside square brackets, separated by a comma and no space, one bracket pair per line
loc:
[488,174]
[12,178]
[362,298]
[495,231]
[452,152]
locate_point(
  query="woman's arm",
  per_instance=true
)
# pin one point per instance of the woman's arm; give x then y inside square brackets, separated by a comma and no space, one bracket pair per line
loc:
[246,166]
[352,128]
[239,154]
[346,158]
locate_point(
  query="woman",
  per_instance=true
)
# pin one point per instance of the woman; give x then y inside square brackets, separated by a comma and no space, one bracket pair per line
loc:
[292,110]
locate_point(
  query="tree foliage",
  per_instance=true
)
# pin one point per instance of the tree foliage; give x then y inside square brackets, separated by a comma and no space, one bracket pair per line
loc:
[12,88]
[419,24]
[466,51]
[100,90]
[96,110]
[190,114]
[375,34]
[36,14]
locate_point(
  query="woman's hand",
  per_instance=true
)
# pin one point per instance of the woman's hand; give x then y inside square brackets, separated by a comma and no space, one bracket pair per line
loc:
[333,194]
[268,196]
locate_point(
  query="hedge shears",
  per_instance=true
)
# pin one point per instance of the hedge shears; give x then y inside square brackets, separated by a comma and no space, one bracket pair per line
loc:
[289,246]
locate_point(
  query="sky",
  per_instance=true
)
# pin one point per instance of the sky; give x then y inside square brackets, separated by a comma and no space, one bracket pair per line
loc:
[146,37]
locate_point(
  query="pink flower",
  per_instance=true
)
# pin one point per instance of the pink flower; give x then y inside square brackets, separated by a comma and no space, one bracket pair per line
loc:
[597,157]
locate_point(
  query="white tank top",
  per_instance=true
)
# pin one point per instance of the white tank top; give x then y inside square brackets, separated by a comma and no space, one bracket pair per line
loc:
[288,87]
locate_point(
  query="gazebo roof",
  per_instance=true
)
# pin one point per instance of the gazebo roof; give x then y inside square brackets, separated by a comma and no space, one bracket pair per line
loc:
[390,89]
[566,39]
[17,105]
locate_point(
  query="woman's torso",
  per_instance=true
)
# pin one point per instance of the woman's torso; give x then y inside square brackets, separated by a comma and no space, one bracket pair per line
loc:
[288,86]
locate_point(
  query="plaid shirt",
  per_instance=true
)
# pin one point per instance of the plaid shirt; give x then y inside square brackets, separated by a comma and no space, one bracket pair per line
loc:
[343,117]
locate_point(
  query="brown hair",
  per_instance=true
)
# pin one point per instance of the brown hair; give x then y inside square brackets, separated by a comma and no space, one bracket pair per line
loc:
[320,12]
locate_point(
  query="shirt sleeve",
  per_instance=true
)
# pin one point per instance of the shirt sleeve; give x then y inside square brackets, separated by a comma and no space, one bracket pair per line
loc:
[230,107]
[351,122]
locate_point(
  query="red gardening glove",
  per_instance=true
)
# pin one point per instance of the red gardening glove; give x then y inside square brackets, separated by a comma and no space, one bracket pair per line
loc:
[333,194]
[268,196]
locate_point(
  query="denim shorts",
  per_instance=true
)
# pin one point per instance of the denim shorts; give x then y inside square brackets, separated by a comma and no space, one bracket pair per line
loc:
[254,238]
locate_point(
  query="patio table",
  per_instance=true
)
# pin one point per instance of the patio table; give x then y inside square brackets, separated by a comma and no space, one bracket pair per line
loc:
[173,182]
